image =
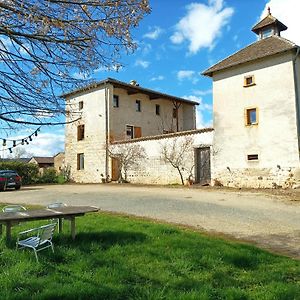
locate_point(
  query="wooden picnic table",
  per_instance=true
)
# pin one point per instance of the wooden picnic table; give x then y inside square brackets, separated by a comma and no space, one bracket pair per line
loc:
[67,212]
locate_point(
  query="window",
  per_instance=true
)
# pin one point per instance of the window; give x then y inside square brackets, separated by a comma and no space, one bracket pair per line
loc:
[251,116]
[80,132]
[138,105]
[80,105]
[252,156]
[115,101]
[129,131]
[80,161]
[249,81]
[174,113]
[266,32]
[157,109]
[133,131]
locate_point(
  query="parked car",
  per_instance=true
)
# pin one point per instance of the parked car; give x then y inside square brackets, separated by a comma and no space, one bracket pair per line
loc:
[9,179]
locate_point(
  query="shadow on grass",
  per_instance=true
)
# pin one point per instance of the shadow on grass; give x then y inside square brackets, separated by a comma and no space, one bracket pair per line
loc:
[106,239]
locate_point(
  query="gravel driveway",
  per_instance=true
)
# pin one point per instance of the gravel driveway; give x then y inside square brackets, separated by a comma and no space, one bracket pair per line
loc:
[267,220]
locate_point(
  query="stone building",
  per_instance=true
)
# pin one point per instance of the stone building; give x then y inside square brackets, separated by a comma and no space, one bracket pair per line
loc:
[111,110]
[256,111]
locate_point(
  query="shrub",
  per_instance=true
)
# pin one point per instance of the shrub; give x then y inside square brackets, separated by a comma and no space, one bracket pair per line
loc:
[28,172]
[49,176]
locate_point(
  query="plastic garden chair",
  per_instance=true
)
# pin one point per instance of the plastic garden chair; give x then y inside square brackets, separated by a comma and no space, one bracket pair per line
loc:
[40,238]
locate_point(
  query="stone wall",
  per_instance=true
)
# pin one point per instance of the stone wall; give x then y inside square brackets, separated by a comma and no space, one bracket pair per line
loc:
[258,178]
[154,169]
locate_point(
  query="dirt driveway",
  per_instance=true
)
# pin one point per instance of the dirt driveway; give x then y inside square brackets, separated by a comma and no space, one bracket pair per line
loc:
[265,219]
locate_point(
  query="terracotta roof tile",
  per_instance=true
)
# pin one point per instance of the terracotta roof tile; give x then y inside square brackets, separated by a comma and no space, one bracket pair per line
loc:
[262,48]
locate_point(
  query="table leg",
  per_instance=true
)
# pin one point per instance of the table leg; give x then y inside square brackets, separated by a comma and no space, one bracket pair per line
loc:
[8,231]
[60,221]
[0,229]
[72,219]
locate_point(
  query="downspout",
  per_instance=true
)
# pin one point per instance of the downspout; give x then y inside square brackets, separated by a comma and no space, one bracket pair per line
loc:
[106,131]
[296,85]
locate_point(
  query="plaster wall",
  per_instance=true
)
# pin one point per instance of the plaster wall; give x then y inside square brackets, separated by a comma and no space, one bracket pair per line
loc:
[155,170]
[150,123]
[274,138]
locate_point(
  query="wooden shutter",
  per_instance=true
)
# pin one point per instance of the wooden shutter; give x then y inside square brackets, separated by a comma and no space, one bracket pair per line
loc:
[137,132]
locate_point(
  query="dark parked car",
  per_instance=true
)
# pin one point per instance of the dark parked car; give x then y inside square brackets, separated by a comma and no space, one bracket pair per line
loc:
[9,179]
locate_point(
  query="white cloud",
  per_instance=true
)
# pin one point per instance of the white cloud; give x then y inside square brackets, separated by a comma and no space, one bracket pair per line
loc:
[154,34]
[202,92]
[185,74]
[188,75]
[286,12]
[202,25]
[80,75]
[142,63]
[158,78]
[45,144]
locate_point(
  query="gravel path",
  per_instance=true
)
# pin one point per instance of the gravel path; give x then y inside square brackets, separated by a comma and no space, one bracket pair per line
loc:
[267,220]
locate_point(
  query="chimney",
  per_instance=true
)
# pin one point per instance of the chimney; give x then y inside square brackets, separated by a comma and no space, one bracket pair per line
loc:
[134,82]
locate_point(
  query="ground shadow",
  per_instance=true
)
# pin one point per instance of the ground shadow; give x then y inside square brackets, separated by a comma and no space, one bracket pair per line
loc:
[106,239]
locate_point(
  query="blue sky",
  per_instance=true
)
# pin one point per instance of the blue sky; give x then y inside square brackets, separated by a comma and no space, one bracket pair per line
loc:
[179,40]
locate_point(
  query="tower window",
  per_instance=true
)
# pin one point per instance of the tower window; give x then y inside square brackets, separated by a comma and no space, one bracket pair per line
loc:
[251,116]
[249,80]
[252,157]
[80,105]
[266,33]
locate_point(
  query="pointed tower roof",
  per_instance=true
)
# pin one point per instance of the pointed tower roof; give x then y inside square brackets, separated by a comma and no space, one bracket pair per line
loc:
[269,20]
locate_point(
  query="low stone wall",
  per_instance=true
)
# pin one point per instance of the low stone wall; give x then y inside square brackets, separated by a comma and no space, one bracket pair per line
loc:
[258,178]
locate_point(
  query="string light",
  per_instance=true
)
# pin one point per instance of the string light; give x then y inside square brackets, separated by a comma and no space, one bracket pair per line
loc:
[17,142]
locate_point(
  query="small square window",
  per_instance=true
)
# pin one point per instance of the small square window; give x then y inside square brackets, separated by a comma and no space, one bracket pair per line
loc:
[80,161]
[251,116]
[249,81]
[80,132]
[80,105]
[157,109]
[115,101]
[252,156]
[138,105]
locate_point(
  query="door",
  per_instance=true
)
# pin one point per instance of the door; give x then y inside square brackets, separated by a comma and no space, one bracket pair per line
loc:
[115,169]
[202,165]
[137,132]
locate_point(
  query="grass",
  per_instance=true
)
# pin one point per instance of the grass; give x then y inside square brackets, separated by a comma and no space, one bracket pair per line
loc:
[119,257]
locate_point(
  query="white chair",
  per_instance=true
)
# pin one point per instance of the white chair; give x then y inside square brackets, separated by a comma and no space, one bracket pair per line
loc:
[13,208]
[40,241]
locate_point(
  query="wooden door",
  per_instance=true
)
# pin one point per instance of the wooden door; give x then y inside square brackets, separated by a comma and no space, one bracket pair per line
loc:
[115,169]
[202,165]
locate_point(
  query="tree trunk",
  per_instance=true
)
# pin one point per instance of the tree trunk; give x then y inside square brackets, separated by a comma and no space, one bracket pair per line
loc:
[181,177]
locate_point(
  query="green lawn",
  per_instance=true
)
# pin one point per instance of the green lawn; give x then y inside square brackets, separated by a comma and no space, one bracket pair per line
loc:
[117,257]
